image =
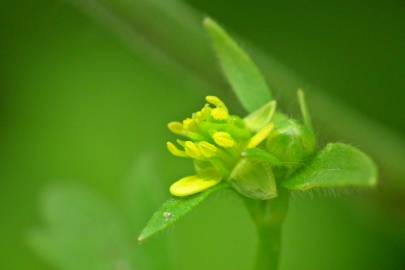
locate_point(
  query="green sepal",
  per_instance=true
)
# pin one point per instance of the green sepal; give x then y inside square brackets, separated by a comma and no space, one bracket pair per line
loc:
[306,117]
[254,179]
[261,117]
[337,165]
[261,155]
[173,209]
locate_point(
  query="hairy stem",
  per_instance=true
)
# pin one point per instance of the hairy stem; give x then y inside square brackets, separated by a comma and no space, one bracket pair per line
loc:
[268,216]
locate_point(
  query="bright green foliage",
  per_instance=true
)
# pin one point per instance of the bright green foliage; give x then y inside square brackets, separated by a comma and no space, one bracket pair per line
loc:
[337,165]
[173,209]
[243,75]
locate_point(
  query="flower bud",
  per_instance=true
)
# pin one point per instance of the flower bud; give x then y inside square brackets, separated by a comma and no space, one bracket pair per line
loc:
[291,142]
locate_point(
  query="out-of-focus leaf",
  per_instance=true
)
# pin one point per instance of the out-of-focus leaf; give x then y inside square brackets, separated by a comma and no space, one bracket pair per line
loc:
[173,209]
[83,232]
[142,192]
[243,75]
[337,165]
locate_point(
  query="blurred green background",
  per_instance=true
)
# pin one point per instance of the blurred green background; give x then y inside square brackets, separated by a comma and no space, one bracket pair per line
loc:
[87,87]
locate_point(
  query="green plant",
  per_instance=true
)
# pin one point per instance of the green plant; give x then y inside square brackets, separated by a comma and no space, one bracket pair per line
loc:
[263,157]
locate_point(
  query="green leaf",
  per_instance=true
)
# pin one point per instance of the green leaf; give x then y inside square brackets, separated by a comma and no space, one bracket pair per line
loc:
[243,75]
[254,179]
[337,165]
[173,209]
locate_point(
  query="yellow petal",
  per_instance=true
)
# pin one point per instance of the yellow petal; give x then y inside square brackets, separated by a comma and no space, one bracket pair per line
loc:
[223,139]
[190,185]
[260,136]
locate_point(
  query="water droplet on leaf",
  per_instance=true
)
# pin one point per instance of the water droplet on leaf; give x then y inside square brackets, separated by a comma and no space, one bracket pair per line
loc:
[167,215]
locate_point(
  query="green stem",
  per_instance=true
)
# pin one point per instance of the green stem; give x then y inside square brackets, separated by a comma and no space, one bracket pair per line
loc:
[268,216]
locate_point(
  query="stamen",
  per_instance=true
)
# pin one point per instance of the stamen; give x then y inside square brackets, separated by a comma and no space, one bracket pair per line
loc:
[176,128]
[192,150]
[180,142]
[260,136]
[188,124]
[208,150]
[203,114]
[215,101]
[219,114]
[174,150]
[223,139]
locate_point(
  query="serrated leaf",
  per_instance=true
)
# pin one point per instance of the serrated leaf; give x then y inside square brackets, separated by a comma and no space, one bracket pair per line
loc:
[173,209]
[337,165]
[243,75]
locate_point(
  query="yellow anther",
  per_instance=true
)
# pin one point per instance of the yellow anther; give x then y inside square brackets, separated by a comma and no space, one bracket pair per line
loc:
[202,114]
[188,123]
[192,150]
[219,114]
[193,184]
[221,111]
[208,150]
[215,101]
[206,110]
[223,139]
[174,150]
[176,127]
[260,136]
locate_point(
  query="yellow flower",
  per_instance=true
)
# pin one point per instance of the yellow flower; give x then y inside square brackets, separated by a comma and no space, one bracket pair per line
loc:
[214,141]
